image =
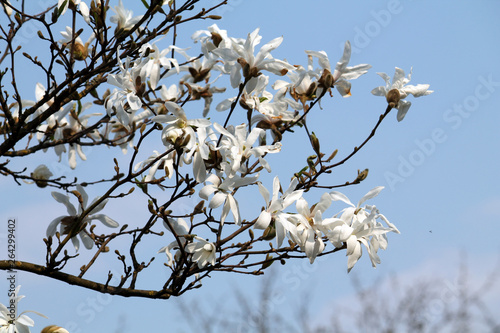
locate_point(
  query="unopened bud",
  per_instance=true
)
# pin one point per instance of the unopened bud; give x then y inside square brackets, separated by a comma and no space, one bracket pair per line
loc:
[315,143]
[268,262]
[54,329]
[269,233]
[361,176]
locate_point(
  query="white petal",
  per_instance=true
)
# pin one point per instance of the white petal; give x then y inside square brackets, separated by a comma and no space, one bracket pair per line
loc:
[234,209]
[371,194]
[379,91]
[64,199]
[403,107]
[218,199]
[87,241]
[337,196]
[264,192]
[107,221]
[51,229]
[263,220]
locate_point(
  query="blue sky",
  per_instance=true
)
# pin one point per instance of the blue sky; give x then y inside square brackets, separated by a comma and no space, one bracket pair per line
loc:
[439,165]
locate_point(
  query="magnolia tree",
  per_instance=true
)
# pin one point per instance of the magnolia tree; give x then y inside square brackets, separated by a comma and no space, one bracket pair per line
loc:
[217,106]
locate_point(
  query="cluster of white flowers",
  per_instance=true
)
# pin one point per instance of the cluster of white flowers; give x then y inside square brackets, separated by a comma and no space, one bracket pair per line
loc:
[220,155]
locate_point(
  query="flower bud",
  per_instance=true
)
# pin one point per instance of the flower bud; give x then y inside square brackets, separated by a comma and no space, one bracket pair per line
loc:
[269,233]
[315,143]
[54,329]
[361,176]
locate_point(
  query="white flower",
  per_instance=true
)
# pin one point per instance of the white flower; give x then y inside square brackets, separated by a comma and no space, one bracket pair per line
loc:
[342,73]
[84,9]
[203,252]
[171,93]
[273,212]
[155,60]
[80,49]
[223,189]
[22,323]
[69,224]
[40,176]
[398,90]
[57,127]
[126,100]
[212,38]
[242,52]
[166,163]
[179,129]
[358,225]
[309,224]
[179,228]
[123,17]
[240,147]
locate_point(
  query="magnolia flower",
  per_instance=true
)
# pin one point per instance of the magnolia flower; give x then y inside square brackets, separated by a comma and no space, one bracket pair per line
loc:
[71,223]
[171,93]
[240,147]
[84,9]
[398,90]
[121,133]
[342,73]
[203,252]
[123,17]
[179,129]
[273,212]
[80,49]
[57,127]
[302,86]
[166,163]
[179,228]
[21,324]
[203,151]
[40,176]
[243,54]
[155,60]
[126,100]
[223,189]
[358,225]
[310,225]
[212,38]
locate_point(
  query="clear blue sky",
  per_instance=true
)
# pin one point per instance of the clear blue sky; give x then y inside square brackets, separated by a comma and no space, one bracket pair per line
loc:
[439,165]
